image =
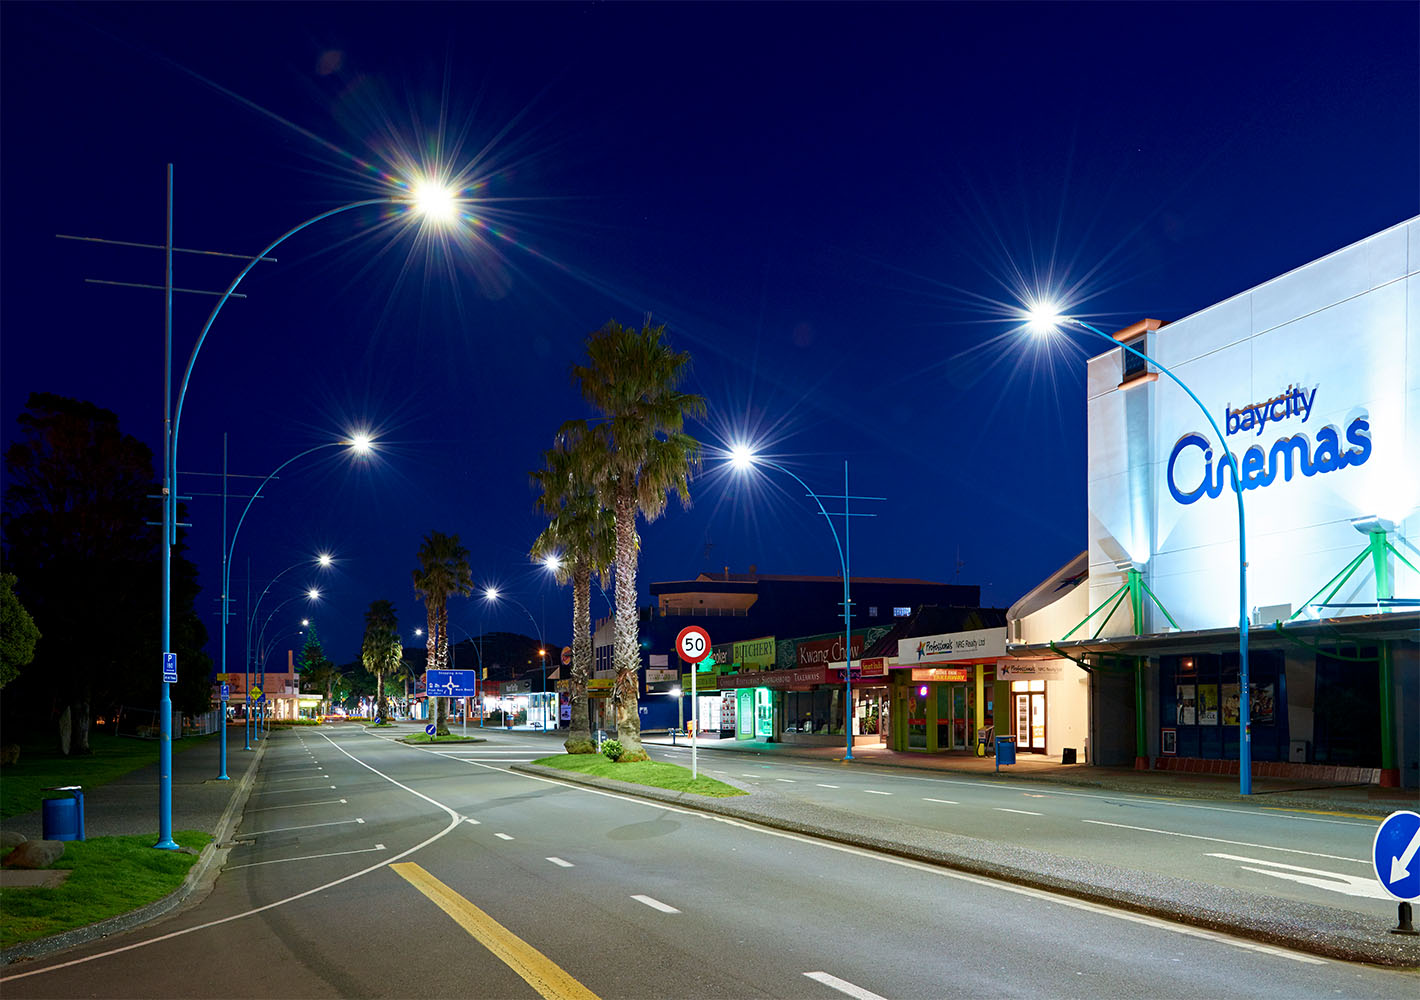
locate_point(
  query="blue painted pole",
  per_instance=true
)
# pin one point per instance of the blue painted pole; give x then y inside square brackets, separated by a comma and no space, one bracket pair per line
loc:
[246,662]
[847,621]
[165,702]
[226,578]
[1244,707]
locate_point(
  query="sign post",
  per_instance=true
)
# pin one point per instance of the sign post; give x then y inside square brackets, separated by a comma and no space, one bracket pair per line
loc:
[1393,855]
[693,645]
[226,692]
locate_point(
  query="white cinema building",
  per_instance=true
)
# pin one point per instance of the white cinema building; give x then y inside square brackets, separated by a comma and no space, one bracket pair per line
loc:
[1314,380]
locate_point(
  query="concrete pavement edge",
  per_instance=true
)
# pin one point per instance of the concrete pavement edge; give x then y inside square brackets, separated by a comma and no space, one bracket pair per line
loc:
[1298,926]
[200,879]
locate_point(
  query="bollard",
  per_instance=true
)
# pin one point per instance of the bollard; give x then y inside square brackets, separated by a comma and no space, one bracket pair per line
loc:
[1404,921]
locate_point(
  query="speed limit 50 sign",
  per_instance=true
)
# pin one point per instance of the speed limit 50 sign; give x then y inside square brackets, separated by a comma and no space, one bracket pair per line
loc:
[693,644]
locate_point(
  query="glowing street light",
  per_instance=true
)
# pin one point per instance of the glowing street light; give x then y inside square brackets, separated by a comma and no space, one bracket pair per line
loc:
[435,201]
[493,595]
[431,202]
[1043,318]
[743,458]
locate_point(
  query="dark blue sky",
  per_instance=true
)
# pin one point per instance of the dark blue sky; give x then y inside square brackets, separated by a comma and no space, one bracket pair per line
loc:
[828,205]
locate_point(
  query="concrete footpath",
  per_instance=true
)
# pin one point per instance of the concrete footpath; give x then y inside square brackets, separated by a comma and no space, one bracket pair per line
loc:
[1306,927]
[129,805]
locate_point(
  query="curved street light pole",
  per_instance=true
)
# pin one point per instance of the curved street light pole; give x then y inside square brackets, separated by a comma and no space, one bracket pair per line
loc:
[743,459]
[172,421]
[323,560]
[495,595]
[360,445]
[1244,707]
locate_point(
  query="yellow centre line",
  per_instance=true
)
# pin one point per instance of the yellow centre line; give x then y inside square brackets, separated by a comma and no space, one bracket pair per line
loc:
[1324,812]
[537,970]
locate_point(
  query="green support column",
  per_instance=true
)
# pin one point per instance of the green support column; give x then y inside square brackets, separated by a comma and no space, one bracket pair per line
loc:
[1390,774]
[980,701]
[1135,581]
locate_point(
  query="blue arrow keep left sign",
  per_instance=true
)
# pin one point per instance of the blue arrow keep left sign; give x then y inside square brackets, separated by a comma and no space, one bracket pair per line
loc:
[169,668]
[1394,854]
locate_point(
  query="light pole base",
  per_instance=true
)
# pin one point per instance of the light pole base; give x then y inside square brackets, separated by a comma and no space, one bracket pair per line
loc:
[223,777]
[166,845]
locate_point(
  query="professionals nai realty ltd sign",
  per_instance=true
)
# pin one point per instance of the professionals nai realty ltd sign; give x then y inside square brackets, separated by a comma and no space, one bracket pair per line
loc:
[1296,452]
[981,644]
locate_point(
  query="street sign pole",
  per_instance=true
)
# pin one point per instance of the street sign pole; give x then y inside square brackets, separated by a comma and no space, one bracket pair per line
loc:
[222,766]
[1393,855]
[693,646]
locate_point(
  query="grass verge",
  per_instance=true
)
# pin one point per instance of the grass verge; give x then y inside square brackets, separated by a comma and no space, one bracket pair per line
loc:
[22,783]
[112,875]
[451,738]
[655,774]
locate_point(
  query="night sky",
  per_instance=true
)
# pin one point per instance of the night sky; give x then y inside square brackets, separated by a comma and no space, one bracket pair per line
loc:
[833,208]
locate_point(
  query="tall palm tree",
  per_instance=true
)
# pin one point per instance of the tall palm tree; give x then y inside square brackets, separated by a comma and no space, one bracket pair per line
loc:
[582,532]
[443,573]
[381,650]
[632,380]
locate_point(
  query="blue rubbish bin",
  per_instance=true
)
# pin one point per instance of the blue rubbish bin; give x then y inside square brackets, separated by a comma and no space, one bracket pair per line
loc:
[1005,750]
[63,819]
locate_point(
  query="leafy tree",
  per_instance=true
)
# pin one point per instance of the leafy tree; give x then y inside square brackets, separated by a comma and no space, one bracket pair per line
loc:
[381,652]
[632,380]
[88,566]
[443,573]
[18,633]
[582,533]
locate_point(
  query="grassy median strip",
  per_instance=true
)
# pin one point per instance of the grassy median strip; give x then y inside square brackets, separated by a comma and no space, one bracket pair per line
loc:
[114,756]
[112,875]
[656,774]
[450,738]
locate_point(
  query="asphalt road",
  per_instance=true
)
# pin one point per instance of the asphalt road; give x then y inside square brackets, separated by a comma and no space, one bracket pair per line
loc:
[437,873]
[1321,859]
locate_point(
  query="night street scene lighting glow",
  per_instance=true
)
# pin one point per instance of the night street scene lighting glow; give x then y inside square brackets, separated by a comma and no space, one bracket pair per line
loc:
[961,378]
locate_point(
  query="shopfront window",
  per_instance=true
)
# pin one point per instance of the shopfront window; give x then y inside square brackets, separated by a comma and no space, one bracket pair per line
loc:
[1199,697]
[917,707]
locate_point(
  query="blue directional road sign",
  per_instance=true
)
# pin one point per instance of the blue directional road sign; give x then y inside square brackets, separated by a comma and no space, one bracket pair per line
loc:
[169,668]
[226,691]
[1393,854]
[431,729]
[450,684]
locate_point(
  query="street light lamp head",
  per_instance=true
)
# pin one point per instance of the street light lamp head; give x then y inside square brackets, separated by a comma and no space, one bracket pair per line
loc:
[324,559]
[491,593]
[313,594]
[1043,317]
[741,457]
[361,443]
[419,631]
[553,562]
[435,201]
[305,622]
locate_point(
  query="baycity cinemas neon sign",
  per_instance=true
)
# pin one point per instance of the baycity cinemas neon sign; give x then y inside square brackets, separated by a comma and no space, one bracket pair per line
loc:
[1261,467]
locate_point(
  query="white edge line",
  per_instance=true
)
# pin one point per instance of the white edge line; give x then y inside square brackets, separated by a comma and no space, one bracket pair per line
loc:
[1220,840]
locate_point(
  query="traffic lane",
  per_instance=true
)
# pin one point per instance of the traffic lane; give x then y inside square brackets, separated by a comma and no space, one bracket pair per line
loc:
[261,906]
[757,911]
[1279,854]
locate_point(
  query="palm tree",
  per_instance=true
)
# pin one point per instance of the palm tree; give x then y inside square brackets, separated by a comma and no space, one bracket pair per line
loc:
[381,650]
[632,380]
[582,533]
[443,573]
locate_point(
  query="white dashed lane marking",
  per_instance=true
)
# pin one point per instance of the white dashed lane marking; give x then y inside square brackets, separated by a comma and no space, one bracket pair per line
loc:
[844,986]
[502,836]
[945,802]
[1022,812]
[561,864]
[655,904]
